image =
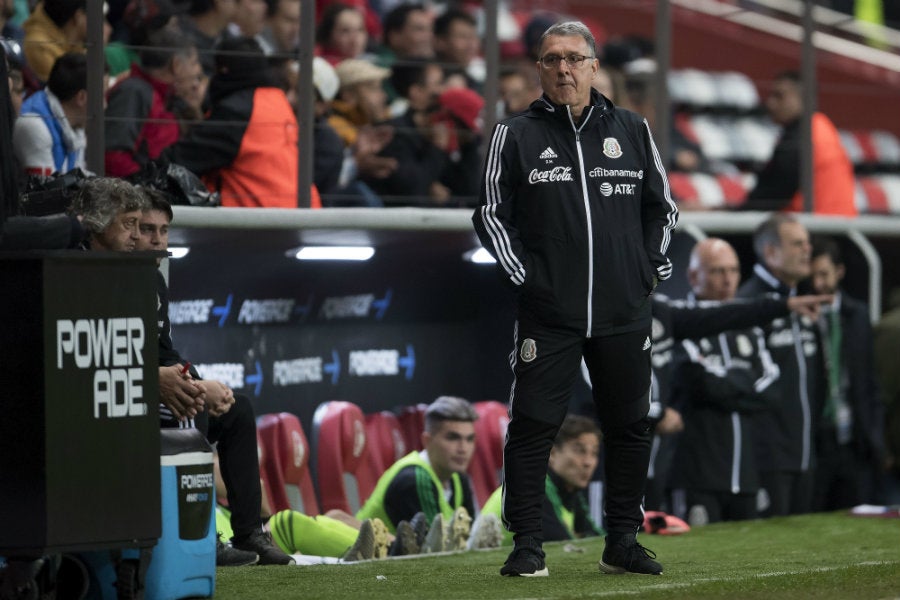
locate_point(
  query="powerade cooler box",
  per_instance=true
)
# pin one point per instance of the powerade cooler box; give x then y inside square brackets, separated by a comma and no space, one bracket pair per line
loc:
[183,564]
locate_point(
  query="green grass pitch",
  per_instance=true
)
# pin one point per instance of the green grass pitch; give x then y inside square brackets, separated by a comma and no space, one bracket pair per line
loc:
[824,556]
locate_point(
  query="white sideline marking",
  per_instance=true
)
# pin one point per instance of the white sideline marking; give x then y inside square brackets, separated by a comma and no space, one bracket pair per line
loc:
[674,585]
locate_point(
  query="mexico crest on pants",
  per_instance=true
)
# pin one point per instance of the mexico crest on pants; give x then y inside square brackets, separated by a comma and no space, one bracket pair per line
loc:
[528,351]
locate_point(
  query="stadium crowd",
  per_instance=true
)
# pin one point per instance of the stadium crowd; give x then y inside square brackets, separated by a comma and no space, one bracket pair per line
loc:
[781,415]
[212,85]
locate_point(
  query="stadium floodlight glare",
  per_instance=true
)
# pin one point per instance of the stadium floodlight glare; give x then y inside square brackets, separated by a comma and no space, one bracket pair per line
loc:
[479,256]
[178,251]
[334,253]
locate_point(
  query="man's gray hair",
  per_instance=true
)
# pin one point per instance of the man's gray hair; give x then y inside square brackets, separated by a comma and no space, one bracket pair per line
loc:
[448,408]
[102,199]
[571,28]
[768,233]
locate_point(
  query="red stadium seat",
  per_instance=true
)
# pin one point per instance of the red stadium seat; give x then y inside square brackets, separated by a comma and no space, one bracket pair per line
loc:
[490,435]
[384,444]
[891,186]
[286,463]
[734,189]
[412,424]
[867,146]
[683,190]
[339,439]
[874,200]
[384,439]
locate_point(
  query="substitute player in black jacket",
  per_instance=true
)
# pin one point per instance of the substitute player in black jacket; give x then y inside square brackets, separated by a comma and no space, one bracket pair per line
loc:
[786,440]
[575,207]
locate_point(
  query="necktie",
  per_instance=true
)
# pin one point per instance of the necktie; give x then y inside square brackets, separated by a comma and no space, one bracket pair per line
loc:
[834,364]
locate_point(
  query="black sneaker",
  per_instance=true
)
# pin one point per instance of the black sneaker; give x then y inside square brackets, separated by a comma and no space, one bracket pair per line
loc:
[625,555]
[226,556]
[405,542]
[419,524]
[261,542]
[526,560]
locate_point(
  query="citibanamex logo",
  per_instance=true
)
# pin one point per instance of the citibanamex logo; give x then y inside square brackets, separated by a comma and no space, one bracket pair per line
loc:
[554,174]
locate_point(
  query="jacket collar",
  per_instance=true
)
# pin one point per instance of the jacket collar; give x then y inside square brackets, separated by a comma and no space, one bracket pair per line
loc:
[773,282]
[598,106]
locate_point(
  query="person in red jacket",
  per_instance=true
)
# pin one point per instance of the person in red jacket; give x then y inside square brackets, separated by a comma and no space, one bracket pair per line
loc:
[140,121]
[778,184]
[246,149]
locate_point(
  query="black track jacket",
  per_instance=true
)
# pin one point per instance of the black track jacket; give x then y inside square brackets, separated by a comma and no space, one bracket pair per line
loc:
[578,215]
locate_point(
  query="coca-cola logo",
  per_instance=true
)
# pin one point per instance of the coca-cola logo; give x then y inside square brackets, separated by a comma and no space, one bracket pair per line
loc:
[554,174]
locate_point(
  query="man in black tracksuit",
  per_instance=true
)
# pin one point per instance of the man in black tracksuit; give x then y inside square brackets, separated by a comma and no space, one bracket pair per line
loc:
[676,320]
[575,207]
[786,433]
[717,382]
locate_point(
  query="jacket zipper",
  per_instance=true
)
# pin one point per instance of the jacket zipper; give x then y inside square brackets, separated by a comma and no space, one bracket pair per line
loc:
[587,213]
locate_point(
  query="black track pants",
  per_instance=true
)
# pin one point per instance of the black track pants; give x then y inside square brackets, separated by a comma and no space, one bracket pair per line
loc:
[235,432]
[545,365]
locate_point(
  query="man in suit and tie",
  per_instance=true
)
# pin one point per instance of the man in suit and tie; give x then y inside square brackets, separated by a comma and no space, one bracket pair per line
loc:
[850,442]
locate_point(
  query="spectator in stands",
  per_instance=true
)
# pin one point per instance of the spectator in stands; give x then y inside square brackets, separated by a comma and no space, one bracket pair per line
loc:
[110,211]
[360,101]
[246,149]
[433,480]
[850,437]
[281,34]
[140,123]
[370,9]
[786,434]
[887,349]
[518,89]
[778,183]
[356,114]
[716,386]
[19,232]
[459,114]
[139,20]
[49,135]
[53,29]
[205,25]
[416,145]
[563,319]
[249,18]
[408,33]
[573,459]
[329,156]
[341,33]
[225,418]
[457,46]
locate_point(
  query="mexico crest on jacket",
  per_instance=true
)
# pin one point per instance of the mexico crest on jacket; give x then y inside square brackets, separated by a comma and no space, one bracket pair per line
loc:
[611,147]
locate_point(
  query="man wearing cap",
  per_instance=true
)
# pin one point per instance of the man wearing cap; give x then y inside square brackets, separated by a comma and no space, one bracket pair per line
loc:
[247,147]
[360,99]
[459,113]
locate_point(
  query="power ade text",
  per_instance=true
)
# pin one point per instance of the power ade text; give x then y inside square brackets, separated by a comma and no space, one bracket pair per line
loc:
[114,349]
